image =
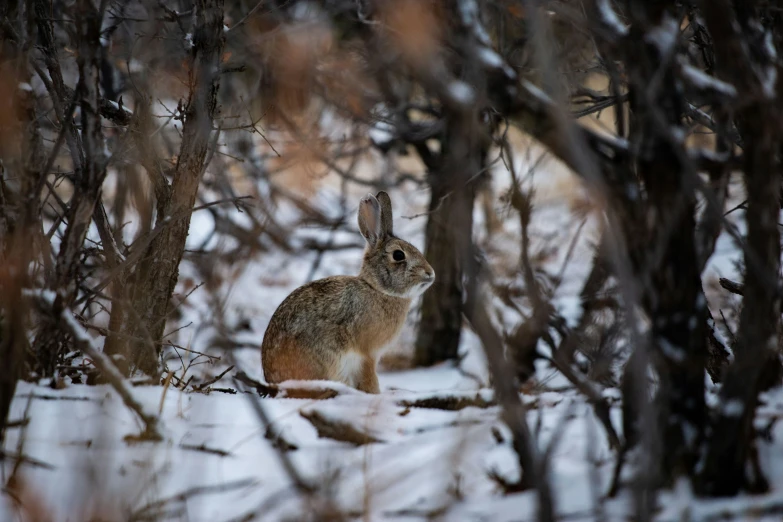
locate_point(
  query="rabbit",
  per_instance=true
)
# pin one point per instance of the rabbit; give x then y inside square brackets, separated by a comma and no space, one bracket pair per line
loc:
[335,328]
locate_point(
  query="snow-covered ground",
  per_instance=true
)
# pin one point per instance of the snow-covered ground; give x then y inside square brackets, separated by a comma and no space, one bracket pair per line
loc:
[217,461]
[427,459]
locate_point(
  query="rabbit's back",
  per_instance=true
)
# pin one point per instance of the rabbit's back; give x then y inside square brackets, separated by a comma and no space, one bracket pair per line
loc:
[325,324]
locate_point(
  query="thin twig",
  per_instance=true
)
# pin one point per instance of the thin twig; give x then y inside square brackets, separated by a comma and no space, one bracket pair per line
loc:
[214,380]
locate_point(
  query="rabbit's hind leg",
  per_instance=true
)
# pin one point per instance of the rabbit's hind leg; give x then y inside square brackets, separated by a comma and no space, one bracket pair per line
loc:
[368,378]
[288,361]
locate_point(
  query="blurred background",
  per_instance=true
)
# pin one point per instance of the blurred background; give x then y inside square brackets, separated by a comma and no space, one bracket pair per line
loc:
[596,184]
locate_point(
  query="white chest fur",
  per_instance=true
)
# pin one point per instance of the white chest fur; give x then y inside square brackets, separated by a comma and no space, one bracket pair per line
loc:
[350,367]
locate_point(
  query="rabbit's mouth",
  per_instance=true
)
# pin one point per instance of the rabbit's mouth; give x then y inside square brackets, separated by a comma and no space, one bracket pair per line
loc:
[426,281]
[419,288]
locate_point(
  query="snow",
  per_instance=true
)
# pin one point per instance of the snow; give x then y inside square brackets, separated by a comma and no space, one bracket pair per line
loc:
[665,35]
[490,58]
[422,454]
[702,80]
[135,66]
[537,93]
[610,18]
[733,408]
[469,12]
[381,132]
[117,106]
[770,82]
[769,45]
[461,92]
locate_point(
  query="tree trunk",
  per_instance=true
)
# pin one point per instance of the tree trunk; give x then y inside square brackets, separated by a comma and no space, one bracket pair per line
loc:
[756,358]
[448,241]
[669,270]
[153,283]
[731,447]
[441,309]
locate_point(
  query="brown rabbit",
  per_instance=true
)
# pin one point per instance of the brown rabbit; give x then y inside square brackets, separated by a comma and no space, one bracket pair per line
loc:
[335,328]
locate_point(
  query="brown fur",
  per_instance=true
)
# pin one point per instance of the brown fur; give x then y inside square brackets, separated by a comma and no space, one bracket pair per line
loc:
[335,328]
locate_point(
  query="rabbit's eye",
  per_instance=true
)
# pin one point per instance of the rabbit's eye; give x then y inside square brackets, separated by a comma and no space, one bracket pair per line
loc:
[398,255]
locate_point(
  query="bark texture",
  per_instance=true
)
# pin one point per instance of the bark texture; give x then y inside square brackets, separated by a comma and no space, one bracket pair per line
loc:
[442,305]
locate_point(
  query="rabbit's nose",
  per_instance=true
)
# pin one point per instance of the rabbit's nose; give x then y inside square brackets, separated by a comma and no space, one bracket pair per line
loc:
[429,273]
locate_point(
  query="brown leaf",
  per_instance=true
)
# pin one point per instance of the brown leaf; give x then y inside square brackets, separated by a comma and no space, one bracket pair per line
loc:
[414,28]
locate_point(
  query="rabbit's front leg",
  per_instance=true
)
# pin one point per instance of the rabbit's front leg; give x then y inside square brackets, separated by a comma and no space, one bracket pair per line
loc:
[368,379]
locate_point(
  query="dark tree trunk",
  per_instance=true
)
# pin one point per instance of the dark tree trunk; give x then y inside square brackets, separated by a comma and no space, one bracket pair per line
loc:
[756,358]
[449,239]
[669,270]
[730,462]
[441,310]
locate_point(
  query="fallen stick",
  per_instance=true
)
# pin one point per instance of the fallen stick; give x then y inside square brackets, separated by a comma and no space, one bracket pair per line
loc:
[205,449]
[152,510]
[264,390]
[449,403]
[337,430]
[21,423]
[24,459]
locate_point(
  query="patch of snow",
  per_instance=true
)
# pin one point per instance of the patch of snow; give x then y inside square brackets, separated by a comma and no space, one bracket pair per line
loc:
[570,307]
[770,82]
[664,36]
[135,66]
[704,81]
[610,18]
[381,132]
[678,133]
[469,13]
[47,295]
[537,93]
[490,58]
[461,92]
[732,408]
[769,45]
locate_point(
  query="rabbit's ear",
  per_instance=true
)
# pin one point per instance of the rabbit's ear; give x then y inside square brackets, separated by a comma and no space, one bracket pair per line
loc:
[387,224]
[370,219]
